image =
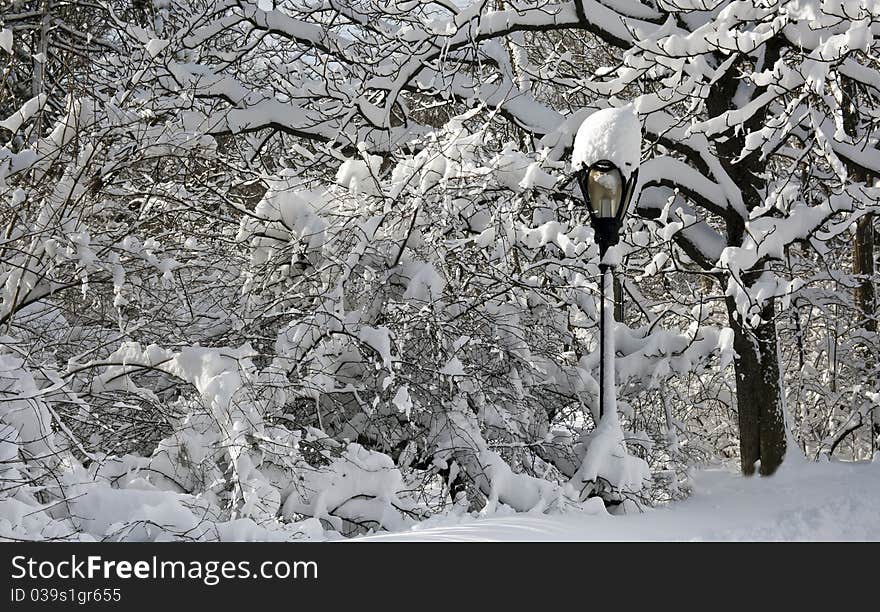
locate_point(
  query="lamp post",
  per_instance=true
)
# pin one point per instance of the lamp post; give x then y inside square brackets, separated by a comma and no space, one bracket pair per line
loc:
[607,192]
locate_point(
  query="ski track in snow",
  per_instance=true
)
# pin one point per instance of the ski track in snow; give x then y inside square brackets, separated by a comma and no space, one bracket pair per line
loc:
[805,501]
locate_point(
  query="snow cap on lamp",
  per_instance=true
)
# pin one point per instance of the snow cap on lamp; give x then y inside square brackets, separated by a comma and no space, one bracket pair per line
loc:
[612,134]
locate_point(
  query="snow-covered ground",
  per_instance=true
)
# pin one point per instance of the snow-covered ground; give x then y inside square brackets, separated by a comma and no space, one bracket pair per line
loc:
[804,501]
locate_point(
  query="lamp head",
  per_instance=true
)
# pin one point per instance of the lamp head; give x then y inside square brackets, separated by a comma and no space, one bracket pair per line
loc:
[607,194]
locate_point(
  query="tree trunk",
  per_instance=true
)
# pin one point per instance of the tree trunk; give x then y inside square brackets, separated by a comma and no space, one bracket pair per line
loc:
[42,46]
[866,302]
[618,299]
[758,392]
[863,246]
[863,266]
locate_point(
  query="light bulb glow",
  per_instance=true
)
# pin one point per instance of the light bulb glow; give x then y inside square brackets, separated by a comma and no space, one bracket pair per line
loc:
[605,187]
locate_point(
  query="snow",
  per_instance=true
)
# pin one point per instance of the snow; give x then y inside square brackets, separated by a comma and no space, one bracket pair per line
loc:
[669,168]
[425,283]
[27,110]
[340,489]
[453,368]
[155,46]
[612,134]
[801,502]
[291,214]
[359,176]
[6,40]
[379,339]
[402,401]
[518,171]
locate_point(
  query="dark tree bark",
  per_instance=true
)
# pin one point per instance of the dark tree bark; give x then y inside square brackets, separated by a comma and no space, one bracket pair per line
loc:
[863,246]
[866,301]
[864,294]
[758,392]
[618,299]
[863,267]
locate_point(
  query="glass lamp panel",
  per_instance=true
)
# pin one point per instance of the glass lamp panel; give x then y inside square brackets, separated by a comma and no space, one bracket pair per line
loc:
[606,190]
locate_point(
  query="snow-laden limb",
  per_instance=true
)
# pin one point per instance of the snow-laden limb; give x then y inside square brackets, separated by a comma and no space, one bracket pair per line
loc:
[28,420]
[767,239]
[359,486]
[27,110]
[219,376]
[457,438]
[407,59]
[680,223]
[697,149]
[181,491]
[670,172]
[79,115]
[31,451]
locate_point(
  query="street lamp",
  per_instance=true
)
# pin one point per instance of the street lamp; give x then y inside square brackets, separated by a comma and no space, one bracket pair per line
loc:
[608,187]
[607,194]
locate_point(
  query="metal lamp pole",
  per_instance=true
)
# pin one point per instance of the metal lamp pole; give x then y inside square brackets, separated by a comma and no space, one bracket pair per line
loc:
[606,341]
[607,193]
